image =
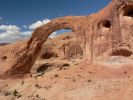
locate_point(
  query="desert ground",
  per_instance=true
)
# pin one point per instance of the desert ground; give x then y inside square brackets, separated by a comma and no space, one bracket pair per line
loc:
[72,79]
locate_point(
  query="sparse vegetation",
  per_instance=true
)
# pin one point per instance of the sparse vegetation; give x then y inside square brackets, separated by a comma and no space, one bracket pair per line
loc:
[16,94]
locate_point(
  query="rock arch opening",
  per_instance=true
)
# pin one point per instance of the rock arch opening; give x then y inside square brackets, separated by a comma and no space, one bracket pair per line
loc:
[128,11]
[59,32]
[63,45]
[106,23]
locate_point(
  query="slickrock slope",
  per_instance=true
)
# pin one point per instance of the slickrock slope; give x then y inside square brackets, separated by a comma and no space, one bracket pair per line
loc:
[103,34]
[83,82]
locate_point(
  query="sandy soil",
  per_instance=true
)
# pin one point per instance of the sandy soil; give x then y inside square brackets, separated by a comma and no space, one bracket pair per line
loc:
[83,82]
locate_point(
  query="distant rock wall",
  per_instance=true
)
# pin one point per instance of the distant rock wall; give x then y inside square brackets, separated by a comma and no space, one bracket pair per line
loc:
[70,50]
[64,46]
[103,34]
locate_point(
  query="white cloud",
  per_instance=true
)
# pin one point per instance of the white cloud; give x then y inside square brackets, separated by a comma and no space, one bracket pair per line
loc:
[39,23]
[7,30]
[11,33]
[26,33]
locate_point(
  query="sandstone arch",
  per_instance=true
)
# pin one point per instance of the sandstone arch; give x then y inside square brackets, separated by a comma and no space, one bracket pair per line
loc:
[101,35]
[26,56]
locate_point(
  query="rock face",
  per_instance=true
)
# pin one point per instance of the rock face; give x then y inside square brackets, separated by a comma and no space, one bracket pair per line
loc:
[64,46]
[106,33]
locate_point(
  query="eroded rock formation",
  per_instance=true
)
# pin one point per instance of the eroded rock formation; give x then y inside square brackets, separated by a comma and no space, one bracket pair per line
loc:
[64,46]
[106,33]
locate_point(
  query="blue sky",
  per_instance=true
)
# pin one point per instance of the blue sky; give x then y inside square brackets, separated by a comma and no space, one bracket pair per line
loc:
[21,14]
